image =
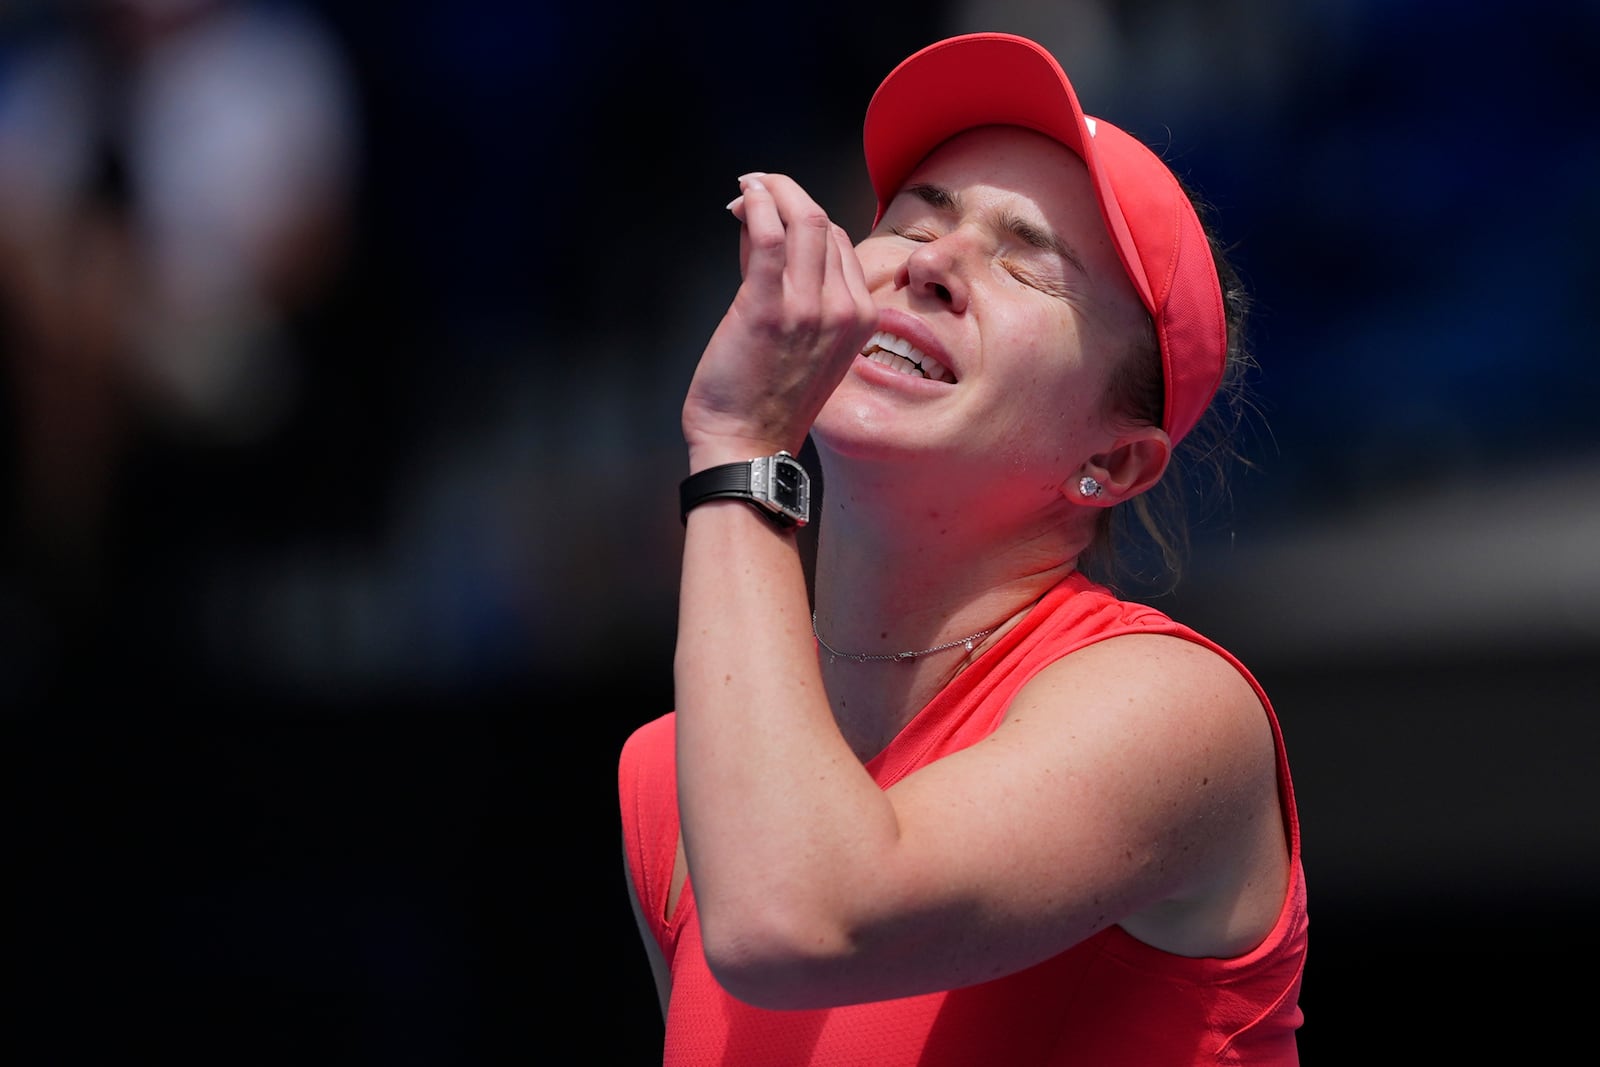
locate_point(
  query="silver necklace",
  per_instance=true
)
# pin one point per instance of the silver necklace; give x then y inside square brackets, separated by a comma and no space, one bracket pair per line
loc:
[863,657]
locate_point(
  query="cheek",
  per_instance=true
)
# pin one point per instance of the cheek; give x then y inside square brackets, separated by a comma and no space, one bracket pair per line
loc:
[877,265]
[1047,439]
[1051,396]
[1037,344]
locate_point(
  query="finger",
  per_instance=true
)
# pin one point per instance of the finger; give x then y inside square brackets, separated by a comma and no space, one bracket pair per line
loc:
[847,299]
[761,241]
[855,278]
[808,242]
[737,207]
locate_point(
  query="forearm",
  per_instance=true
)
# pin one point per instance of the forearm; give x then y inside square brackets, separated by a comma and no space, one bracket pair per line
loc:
[777,812]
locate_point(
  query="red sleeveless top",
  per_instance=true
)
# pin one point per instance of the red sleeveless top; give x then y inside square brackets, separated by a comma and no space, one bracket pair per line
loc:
[1108,1001]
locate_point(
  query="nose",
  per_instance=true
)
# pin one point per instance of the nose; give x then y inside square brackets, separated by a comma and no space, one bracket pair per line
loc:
[936,269]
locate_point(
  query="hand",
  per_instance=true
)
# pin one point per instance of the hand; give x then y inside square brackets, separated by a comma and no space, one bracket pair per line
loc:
[800,316]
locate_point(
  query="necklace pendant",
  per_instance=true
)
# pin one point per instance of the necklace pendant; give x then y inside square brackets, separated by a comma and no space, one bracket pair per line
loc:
[969,644]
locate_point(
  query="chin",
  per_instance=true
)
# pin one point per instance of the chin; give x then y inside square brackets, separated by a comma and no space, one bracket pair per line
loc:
[859,431]
[847,423]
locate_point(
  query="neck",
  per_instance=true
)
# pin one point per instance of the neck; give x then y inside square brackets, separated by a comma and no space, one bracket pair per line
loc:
[887,583]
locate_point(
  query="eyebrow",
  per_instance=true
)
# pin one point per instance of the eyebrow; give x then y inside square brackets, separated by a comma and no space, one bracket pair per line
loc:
[1029,233]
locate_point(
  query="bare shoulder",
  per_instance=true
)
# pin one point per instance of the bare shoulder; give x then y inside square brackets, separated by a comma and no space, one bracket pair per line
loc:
[1139,682]
[1178,737]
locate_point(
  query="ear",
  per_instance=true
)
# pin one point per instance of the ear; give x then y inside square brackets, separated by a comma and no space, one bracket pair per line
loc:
[1135,463]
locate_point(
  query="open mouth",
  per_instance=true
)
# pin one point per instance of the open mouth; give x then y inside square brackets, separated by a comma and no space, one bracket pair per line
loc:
[903,357]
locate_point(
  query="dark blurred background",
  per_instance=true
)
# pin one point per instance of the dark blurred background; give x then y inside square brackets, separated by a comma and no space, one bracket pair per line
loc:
[343,350]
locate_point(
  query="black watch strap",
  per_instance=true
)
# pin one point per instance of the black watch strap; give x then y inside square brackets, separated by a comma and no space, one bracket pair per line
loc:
[730,480]
[735,481]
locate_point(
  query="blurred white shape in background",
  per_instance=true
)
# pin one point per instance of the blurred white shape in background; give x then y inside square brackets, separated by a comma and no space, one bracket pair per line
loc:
[175,184]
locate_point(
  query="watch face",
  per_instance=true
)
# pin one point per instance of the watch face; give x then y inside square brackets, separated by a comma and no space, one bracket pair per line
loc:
[787,487]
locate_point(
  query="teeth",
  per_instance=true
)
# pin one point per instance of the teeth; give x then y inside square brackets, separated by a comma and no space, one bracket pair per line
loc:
[905,357]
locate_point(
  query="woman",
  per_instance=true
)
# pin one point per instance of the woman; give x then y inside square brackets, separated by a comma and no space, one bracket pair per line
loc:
[973,808]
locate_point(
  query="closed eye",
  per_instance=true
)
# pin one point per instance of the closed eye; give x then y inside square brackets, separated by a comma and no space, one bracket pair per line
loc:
[1030,279]
[910,234]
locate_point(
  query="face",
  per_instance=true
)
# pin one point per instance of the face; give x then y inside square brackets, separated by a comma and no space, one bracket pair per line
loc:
[992,270]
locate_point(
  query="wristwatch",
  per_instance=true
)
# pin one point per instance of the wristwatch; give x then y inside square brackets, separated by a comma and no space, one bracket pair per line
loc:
[777,486]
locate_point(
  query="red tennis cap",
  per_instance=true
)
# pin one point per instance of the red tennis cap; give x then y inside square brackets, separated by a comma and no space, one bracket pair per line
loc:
[999,79]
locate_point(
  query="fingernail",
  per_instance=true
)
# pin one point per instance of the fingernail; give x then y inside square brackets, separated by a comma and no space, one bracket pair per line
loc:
[752,176]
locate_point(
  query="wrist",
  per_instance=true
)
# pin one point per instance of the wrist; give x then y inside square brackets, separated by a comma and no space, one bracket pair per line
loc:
[714,453]
[776,484]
